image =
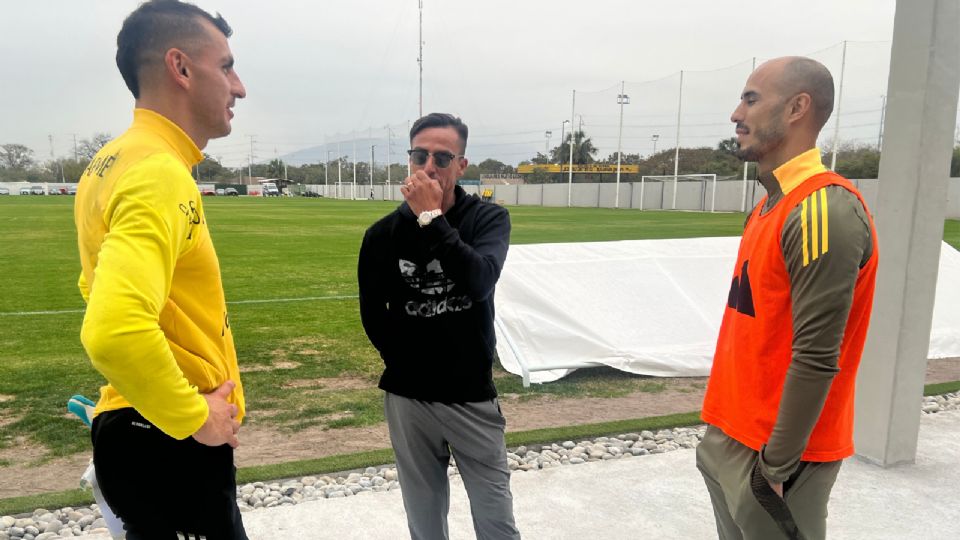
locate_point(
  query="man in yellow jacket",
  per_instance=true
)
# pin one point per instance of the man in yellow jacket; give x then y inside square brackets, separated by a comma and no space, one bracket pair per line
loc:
[156,324]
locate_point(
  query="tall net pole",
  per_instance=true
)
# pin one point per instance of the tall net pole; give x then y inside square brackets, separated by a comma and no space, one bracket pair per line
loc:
[676,152]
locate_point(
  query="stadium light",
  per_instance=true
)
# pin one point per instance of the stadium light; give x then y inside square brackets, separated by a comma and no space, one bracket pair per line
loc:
[655,137]
[546,146]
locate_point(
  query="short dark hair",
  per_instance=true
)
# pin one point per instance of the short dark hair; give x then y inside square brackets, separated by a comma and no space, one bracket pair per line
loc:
[435,120]
[152,29]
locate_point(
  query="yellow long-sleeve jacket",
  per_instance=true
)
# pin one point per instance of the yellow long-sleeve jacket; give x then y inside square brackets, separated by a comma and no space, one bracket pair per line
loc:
[156,323]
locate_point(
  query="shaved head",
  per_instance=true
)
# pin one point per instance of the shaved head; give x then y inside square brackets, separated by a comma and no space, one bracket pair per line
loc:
[800,75]
[783,107]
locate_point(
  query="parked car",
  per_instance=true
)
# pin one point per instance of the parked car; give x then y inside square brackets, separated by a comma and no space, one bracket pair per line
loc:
[24,191]
[208,191]
[4,191]
[270,190]
[37,190]
[219,191]
[72,190]
[232,192]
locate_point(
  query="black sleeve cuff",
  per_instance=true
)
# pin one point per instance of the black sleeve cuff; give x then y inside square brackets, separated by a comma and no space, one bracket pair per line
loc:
[438,233]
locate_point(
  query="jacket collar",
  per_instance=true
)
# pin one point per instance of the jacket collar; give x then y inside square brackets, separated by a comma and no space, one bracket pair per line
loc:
[176,138]
[792,173]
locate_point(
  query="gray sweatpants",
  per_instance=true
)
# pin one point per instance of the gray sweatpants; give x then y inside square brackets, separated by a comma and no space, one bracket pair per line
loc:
[423,435]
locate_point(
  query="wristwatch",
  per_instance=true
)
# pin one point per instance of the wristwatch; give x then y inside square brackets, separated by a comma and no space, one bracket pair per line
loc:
[427,216]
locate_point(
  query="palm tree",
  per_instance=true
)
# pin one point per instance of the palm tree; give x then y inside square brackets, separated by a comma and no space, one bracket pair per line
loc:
[583,149]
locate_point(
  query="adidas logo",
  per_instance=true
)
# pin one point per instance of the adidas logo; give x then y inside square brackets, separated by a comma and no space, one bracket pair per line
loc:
[741,297]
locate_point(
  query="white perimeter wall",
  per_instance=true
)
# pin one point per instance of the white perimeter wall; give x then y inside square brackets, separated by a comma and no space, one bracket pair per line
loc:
[655,195]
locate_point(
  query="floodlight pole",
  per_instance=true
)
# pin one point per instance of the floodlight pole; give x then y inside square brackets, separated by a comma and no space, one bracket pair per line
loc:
[676,153]
[353,187]
[622,99]
[420,60]
[326,176]
[836,125]
[546,145]
[562,126]
[250,159]
[573,135]
[372,146]
[388,157]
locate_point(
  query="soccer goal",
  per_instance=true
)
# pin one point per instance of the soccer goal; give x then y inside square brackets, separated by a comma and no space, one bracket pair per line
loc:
[683,191]
[346,190]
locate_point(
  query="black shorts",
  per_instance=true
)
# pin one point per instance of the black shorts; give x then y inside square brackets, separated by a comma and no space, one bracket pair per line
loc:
[163,488]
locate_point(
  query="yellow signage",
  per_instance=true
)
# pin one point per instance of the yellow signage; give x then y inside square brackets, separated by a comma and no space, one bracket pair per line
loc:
[596,168]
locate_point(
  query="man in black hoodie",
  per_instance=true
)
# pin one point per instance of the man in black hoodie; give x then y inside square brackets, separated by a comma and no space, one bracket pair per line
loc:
[427,273]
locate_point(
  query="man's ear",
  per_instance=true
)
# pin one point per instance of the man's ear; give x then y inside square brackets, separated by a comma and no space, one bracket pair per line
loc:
[175,63]
[463,166]
[800,106]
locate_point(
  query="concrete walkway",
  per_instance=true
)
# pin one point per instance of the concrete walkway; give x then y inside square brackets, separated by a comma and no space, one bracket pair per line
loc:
[659,496]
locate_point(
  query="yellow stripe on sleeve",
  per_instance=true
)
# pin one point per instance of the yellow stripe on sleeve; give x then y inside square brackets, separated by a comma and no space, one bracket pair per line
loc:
[803,227]
[814,236]
[824,243]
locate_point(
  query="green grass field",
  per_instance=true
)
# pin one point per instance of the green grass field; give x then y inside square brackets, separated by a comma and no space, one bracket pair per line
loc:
[270,250]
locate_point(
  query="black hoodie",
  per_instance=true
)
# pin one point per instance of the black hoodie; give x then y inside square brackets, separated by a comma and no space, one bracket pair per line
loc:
[426,299]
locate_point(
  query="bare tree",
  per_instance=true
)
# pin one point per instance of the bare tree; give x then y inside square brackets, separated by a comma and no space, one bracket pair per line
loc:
[87,148]
[15,156]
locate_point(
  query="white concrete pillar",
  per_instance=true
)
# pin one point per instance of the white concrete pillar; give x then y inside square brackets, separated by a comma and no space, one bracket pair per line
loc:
[915,164]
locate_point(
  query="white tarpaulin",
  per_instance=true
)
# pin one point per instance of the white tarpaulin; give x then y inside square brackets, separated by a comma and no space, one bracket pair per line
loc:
[651,307]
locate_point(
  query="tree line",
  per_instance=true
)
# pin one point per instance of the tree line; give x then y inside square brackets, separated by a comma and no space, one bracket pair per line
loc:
[19,164]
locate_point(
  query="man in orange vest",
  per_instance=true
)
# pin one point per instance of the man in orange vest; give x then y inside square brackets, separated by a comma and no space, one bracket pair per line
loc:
[779,403]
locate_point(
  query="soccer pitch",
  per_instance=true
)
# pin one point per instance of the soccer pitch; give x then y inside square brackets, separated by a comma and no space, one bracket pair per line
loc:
[289,270]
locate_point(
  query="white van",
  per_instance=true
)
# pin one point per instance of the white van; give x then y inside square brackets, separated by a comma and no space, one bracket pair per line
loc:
[270,189]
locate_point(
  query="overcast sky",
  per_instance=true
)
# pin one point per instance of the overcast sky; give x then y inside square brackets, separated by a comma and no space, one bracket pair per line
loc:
[318,71]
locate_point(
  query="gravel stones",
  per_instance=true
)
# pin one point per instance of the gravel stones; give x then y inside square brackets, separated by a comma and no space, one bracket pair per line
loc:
[46,525]
[944,402]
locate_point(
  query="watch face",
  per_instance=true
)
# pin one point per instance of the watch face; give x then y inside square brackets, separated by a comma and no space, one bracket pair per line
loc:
[427,216]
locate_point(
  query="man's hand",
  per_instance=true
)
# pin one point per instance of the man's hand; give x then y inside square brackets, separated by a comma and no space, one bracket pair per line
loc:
[221,426]
[422,193]
[777,487]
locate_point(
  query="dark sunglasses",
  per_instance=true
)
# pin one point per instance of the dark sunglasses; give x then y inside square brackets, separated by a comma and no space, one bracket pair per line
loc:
[440,159]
